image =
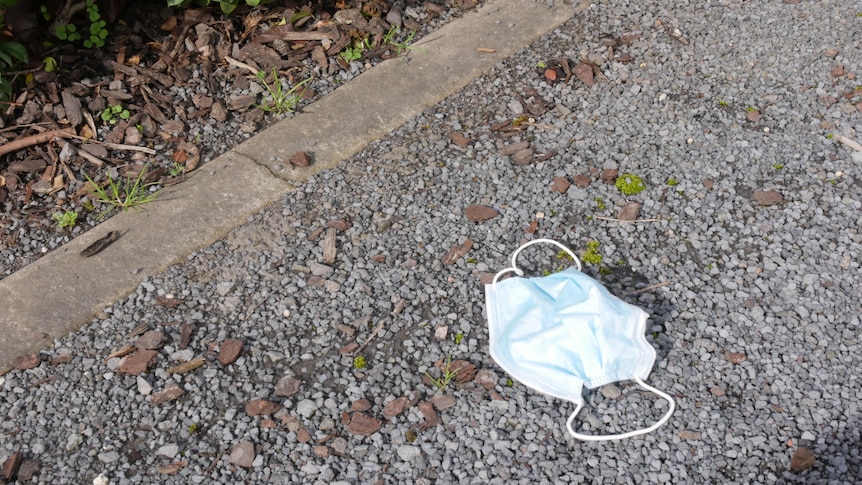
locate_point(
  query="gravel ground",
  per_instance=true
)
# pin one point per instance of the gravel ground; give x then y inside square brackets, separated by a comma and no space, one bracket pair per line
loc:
[754,305]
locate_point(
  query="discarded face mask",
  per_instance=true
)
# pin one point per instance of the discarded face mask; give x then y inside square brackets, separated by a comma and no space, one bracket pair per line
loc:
[559,333]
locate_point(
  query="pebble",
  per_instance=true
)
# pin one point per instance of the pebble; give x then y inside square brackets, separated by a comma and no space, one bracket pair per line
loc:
[306,408]
[408,452]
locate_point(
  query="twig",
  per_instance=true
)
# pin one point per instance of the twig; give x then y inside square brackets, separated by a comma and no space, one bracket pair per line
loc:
[850,143]
[369,339]
[37,139]
[648,288]
[626,220]
[230,60]
[113,146]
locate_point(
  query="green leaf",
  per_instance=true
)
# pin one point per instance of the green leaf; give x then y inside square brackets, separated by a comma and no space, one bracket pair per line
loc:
[252,3]
[14,49]
[175,3]
[50,64]
[298,15]
[227,7]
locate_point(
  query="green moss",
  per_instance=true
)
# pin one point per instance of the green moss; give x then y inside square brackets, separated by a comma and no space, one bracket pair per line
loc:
[472,260]
[564,256]
[777,166]
[509,383]
[359,362]
[630,184]
[458,338]
[591,255]
[600,203]
[672,182]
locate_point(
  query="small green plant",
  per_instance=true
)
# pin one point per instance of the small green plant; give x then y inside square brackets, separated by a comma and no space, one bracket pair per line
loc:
[177,169]
[98,30]
[829,136]
[193,428]
[458,338]
[750,109]
[405,45]
[541,65]
[604,270]
[509,383]
[564,256]
[709,266]
[67,32]
[12,54]
[554,213]
[66,219]
[448,374]
[777,166]
[132,192]
[672,182]
[621,262]
[113,113]
[723,103]
[472,260]
[281,101]
[630,184]
[600,204]
[351,53]
[49,64]
[592,255]
[359,362]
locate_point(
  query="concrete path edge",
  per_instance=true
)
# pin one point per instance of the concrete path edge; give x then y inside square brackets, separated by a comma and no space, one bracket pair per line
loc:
[63,291]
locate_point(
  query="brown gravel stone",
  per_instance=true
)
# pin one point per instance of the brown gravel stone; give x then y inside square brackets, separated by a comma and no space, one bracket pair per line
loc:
[459,139]
[478,213]
[27,470]
[443,401]
[753,116]
[169,394]
[229,351]
[689,435]
[138,362]
[629,212]
[427,410]
[287,386]
[486,378]
[25,362]
[339,224]
[523,157]
[61,359]
[717,391]
[837,71]
[560,185]
[363,424]
[582,180]
[735,357]
[609,175]
[150,340]
[11,465]
[767,197]
[321,451]
[802,459]
[300,159]
[303,436]
[464,370]
[831,53]
[395,407]
[258,407]
[243,454]
[708,183]
[514,148]
[360,405]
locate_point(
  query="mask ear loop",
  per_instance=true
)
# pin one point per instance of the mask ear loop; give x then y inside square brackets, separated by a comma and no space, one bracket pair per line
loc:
[537,241]
[608,437]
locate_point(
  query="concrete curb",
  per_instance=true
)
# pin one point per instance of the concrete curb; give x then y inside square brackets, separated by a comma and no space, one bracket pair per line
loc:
[63,291]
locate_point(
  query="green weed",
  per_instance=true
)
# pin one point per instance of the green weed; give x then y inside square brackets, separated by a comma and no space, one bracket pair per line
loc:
[359,362]
[592,255]
[630,184]
[458,338]
[66,219]
[113,113]
[281,101]
[132,192]
[447,375]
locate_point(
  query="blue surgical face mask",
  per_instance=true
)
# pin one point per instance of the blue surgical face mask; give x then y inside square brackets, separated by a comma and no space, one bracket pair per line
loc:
[560,333]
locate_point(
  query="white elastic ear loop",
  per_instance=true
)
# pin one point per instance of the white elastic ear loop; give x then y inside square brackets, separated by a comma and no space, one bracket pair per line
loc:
[551,241]
[608,437]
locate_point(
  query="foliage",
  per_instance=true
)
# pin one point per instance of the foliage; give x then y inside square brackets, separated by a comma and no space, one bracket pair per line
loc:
[359,362]
[96,33]
[630,184]
[111,114]
[458,338]
[133,192]
[592,255]
[66,219]
[282,101]
[12,54]
[448,374]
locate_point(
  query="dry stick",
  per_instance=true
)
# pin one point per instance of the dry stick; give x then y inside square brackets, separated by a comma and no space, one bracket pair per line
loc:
[113,146]
[648,288]
[369,339]
[31,140]
[850,143]
[234,62]
[625,220]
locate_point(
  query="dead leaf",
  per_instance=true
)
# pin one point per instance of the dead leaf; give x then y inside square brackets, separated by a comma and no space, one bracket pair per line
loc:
[457,251]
